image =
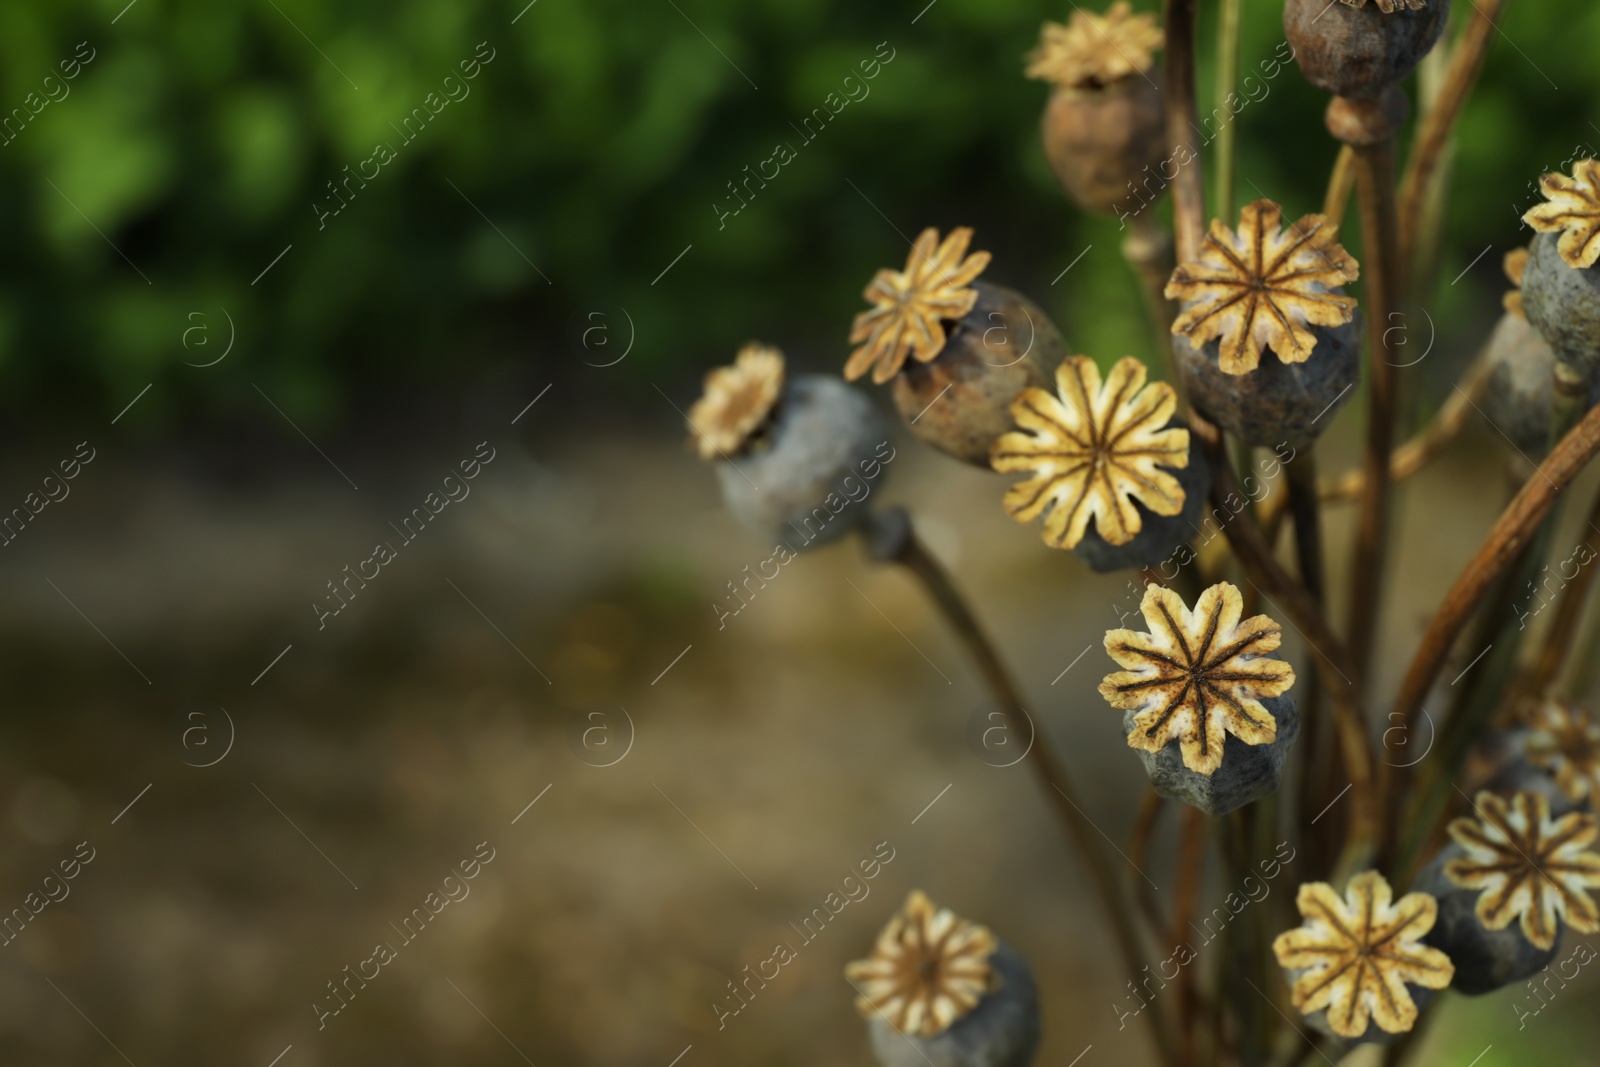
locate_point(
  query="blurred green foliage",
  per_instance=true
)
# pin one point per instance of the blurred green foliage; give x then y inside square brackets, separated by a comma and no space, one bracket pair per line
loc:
[597,141]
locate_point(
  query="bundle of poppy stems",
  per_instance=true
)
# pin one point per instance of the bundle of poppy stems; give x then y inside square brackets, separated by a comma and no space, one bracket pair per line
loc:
[1461,870]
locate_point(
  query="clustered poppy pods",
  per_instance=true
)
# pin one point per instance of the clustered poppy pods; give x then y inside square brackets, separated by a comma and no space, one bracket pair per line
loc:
[1124,470]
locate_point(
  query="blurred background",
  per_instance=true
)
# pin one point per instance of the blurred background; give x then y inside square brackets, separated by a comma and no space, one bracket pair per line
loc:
[271,366]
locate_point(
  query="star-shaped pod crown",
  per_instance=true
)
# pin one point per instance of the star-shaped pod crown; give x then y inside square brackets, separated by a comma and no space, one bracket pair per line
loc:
[928,969]
[1197,676]
[1528,866]
[1357,954]
[736,401]
[1564,742]
[909,306]
[1260,286]
[1572,209]
[1093,51]
[1093,450]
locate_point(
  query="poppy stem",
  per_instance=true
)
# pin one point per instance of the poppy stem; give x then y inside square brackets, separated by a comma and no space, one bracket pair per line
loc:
[1504,544]
[1188,187]
[890,538]
[1227,90]
[1466,60]
[1379,240]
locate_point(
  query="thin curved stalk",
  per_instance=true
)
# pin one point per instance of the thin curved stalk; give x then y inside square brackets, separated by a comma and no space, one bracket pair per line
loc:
[1192,834]
[1148,250]
[1427,444]
[1563,628]
[1466,60]
[890,538]
[1151,805]
[1334,662]
[1504,542]
[1188,187]
[1375,189]
[1340,182]
[1227,86]
[1410,459]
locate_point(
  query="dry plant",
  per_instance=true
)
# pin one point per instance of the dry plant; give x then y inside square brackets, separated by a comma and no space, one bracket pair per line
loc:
[1460,869]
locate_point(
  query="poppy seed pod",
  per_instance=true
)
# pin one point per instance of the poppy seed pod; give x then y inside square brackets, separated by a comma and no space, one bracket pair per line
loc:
[1518,399]
[1485,959]
[1563,304]
[1203,699]
[1278,402]
[1563,742]
[960,402]
[1102,126]
[1525,874]
[1102,143]
[1268,342]
[1357,49]
[1109,453]
[1510,770]
[998,345]
[942,990]
[1357,968]
[792,458]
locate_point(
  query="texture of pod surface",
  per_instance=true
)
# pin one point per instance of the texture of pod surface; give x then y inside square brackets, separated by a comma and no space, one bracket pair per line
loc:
[1519,397]
[1248,772]
[1002,1031]
[1563,303]
[1100,142]
[960,401]
[823,433]
[1277,402]
[1359,51]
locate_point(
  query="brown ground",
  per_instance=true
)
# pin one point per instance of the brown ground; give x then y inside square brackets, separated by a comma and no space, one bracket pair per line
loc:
[796,740]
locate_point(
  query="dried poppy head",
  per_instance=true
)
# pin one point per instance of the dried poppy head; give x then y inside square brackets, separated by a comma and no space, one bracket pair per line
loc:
[1564,742]
[909,306]
[822,450]
[1572,211]
[1094,51]
[1485,960]
[1103,125]
[927,969]
[736,402]
[1519,397]
[1561,283]
[1195,679]
[1259,286]
[1357,50]
[1096,452]
[960,402]
[940,989]
[1528,866]
[1352,959]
